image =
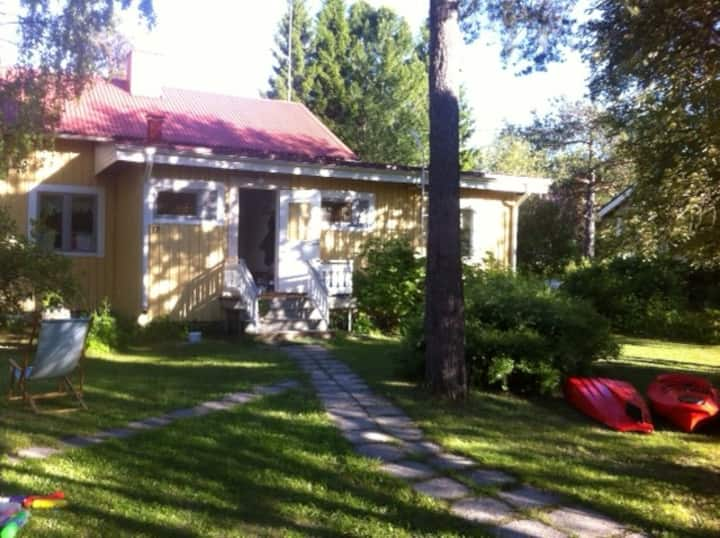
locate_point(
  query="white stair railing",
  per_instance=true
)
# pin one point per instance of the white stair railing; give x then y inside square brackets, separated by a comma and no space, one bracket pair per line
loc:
[337,276]
[239,282]
[318,294]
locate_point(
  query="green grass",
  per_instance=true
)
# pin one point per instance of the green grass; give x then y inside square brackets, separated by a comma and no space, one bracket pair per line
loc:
[667,483]
[273,467]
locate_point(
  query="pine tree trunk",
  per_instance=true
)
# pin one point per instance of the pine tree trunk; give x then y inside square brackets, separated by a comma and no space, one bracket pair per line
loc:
[590,218]
[444,307]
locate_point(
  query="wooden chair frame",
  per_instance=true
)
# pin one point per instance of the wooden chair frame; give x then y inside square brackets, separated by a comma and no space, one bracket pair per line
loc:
[19,389]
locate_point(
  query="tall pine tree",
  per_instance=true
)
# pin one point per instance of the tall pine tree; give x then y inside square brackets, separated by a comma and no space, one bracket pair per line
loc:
[329,67]
[298,43]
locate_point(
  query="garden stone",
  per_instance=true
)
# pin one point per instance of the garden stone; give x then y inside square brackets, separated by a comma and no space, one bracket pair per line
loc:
[584,523]
[406,434]
[481,510]
[384,452]
[82,441]
[487,477]
[353,423]
[182,413]
[269,390]
[359,437]
[451,461]
[528,497]
[408,470]
[240,397]
[442,488]
[523,528]
[422,448]
[38,452]
[116,433]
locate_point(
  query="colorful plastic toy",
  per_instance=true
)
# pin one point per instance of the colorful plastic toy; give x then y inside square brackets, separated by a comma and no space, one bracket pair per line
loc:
[14,512]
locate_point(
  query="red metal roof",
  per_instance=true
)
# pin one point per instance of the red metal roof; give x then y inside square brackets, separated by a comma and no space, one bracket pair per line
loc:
[194,118]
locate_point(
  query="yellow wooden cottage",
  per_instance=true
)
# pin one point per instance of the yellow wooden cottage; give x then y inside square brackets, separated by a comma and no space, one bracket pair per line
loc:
[192,205]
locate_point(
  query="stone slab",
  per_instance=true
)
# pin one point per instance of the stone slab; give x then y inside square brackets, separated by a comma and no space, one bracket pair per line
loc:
[38,452]
[481,510]
[489,477]
[406,434]
[421,448]
[240,397]
[451,462]
[81,441]
[442,488]
[380,451]
[183,413]
[408,470]
[117,433]
[528,497]
[523,528]
[353,423]
[584,523]
[359,437]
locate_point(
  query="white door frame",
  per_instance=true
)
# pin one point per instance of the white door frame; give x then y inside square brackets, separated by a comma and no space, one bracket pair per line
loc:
[290,254]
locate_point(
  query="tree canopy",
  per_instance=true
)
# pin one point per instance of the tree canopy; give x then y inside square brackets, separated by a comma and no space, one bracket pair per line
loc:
[61,46]
[657,67]
[296,42]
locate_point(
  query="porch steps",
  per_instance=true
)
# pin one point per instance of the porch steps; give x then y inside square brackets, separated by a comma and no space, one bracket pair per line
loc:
[289,313]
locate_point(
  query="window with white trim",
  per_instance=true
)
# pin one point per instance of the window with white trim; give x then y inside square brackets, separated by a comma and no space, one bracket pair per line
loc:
[347,210]
[68,218]
[183,201]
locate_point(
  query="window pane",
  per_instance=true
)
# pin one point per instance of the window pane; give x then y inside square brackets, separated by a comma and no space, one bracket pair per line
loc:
[466,229]
[50,218]
[336,211]
[361,212]
[208,204]
[177,204]
[83,224]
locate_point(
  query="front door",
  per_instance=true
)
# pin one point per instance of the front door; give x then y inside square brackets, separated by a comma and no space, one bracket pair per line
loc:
[298,239]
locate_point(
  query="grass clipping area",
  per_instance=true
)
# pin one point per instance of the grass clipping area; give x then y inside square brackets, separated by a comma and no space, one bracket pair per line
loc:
[667,483]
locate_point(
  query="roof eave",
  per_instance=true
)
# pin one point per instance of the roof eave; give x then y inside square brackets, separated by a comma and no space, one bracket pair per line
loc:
[109,153]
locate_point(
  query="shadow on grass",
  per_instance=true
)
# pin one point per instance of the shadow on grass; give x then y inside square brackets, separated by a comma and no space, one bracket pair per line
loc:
[667,482]
[139,383]
[270,468]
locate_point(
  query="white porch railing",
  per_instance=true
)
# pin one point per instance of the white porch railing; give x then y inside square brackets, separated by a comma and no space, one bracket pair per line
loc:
[337,276]
[239,282]
[318,294]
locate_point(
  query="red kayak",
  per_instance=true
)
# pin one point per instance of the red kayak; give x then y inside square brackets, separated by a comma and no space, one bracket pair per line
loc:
[685,400]
[614,403]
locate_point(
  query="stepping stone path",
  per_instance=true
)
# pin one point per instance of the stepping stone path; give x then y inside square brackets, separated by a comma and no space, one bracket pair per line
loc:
[379,430]
[229,401]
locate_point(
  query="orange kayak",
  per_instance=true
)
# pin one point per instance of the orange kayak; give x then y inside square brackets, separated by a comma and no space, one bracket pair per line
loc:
[685,400]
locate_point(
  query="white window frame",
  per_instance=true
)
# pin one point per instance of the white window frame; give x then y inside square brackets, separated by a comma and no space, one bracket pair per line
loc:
[216,188]
[96,190]
[350,196]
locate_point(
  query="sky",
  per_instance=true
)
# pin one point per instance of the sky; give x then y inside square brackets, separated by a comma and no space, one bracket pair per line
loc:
[225,46]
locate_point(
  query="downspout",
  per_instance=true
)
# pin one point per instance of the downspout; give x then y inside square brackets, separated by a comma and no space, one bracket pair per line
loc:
[145,231]
[515,219]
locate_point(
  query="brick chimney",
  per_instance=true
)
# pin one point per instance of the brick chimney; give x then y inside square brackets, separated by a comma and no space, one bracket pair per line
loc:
[144,73]
[154,127]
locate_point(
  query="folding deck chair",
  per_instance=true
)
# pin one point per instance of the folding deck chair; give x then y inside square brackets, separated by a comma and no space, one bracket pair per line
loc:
[60,348]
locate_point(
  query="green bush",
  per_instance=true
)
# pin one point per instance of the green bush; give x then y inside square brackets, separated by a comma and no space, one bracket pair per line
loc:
[522,336]
[649,297]
[105,333]
[388,285]
[162,329]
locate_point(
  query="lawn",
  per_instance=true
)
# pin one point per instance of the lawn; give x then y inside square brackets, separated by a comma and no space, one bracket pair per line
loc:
[667,483]
[273,467]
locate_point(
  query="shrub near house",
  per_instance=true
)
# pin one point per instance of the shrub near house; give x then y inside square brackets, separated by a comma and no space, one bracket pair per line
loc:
[520,335]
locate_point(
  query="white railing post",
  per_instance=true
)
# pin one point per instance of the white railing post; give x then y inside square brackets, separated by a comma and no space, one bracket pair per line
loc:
[318,294]
[337,276]
[239,279]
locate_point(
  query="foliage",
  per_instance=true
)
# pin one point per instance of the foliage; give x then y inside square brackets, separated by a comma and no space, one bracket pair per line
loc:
[524,337]
[582,150]
[389,284]
[469,156]
[648,297]
[298,44]
[30,270]
[656,65]
[364,75]
[513,155]
[547,238]
[104,330]
[61,46]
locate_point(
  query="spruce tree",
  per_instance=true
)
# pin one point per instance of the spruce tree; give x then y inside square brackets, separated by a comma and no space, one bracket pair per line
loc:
[328,67]
[300,39]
